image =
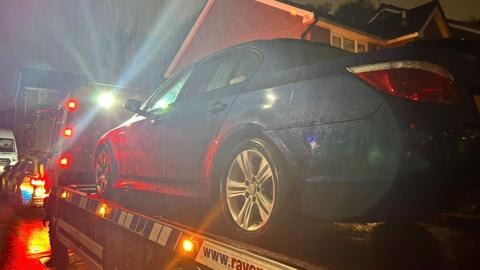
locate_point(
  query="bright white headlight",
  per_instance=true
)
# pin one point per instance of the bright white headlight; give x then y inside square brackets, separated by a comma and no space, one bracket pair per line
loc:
[106,100]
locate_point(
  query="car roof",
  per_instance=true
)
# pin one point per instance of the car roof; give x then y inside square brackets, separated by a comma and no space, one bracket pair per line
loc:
[274,47]
[6,133]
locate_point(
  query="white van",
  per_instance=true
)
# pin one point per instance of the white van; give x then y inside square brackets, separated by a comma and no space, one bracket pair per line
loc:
[8,149]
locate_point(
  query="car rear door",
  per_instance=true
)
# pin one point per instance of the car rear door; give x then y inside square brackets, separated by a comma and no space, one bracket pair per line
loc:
[190,129]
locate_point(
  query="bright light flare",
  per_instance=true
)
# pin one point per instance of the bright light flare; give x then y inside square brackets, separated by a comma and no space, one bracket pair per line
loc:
[106,100]
[188,245]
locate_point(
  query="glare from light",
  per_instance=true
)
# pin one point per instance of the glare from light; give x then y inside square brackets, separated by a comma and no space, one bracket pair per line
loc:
[270,101]
[271,97]
[162,104]
[106,100]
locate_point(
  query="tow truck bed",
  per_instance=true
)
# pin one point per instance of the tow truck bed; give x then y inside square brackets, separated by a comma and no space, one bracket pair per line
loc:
[108,236]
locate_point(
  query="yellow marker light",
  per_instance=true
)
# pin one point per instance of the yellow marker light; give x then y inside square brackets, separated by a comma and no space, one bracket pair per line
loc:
[188,245]
[106,100]
[102,211]
[64,195]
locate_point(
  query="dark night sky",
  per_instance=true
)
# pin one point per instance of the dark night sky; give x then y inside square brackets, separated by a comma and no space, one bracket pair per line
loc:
[454,9]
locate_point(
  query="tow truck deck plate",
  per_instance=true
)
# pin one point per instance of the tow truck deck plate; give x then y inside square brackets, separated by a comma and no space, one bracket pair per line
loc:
[77,203]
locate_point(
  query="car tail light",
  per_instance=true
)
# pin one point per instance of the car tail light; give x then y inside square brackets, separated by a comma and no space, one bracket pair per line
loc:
[72,105]
[68,132]
[413,80]
[37,182]
[64,162]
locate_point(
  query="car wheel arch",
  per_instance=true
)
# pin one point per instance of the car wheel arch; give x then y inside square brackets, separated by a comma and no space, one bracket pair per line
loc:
[238,136]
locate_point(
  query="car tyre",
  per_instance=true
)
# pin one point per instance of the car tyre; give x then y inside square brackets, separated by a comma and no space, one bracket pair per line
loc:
[256,194]
[104,171]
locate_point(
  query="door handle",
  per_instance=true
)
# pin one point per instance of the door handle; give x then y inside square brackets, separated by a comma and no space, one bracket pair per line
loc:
[217,107]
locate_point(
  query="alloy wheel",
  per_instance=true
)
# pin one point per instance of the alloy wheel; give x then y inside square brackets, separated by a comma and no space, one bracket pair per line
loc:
[102,171]
[250,190]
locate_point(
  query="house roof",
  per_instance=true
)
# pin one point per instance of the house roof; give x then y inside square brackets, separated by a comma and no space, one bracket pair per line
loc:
[390,24]
[465,26]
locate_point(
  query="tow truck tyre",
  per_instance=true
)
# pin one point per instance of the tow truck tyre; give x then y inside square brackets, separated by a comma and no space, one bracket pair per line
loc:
[256,193]
[103,171]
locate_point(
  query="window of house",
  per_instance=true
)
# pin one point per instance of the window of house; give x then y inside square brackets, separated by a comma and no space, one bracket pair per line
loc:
[348,45]
[336,41]
[361,47]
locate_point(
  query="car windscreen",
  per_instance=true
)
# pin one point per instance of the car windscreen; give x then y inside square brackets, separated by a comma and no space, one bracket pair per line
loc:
[7,145]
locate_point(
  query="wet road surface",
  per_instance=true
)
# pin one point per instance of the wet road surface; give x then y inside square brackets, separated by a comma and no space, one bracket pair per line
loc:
[24,242]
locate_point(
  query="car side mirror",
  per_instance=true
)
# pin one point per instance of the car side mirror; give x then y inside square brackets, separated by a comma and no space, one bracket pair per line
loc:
[133,105]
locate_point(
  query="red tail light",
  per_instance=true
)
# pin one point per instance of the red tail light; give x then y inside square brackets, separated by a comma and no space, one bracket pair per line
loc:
[68,132]
[72,105]
[414,80]
[64,162]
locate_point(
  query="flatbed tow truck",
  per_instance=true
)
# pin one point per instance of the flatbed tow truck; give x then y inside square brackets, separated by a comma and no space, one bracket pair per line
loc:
[106,235]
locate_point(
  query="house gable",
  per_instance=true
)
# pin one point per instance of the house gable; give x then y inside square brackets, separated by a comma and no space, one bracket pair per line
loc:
[436,26]
[226,23]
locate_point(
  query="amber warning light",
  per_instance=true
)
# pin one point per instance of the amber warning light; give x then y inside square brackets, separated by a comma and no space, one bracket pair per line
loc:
[188,245]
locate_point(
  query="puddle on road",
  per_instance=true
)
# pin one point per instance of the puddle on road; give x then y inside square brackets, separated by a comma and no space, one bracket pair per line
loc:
[25,244]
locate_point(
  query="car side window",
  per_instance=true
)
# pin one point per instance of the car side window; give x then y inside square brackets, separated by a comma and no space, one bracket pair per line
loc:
[168,93]
[245,68]
[221,76]
[212,75]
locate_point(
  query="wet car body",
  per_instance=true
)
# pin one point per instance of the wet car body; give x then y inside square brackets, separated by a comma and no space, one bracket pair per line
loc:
[351,151]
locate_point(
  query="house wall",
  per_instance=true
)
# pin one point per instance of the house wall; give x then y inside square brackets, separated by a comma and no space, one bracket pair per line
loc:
[432,31]
[321,35]
[230,22]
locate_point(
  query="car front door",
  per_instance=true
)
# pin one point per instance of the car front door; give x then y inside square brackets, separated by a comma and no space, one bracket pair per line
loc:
[142,158]
[190,129]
